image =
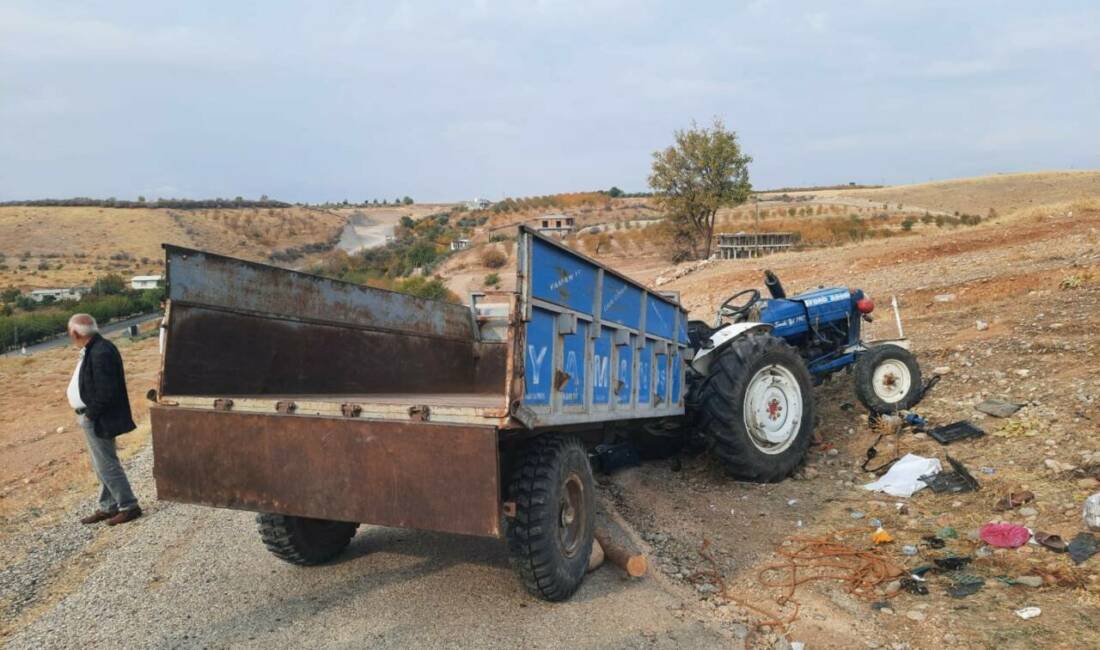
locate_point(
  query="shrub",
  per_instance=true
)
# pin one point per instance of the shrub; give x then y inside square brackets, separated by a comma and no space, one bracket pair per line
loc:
[492,280]
[907,224]
[493,259]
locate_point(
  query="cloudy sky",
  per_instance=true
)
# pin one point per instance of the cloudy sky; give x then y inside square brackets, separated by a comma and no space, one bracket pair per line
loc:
[449,100]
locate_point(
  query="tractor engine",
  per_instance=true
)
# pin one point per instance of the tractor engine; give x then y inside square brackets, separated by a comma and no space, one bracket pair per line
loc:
[817,322]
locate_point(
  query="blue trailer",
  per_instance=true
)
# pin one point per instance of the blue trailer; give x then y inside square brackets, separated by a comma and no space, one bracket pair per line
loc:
[321,405]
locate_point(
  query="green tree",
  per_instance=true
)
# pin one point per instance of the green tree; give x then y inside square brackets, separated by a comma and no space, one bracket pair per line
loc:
[703,171]
[614,192]
[407,200]
[11,294]
[907,224]
[426,288]
[109,285]
[407,222]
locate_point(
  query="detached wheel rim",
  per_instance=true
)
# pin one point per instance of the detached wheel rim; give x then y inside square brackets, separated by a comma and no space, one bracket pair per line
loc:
[891,381]
[571,516]
[773,409]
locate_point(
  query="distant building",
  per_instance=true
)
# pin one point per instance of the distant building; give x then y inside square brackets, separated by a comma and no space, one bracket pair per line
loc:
[460,244]
[146,281]
[556,224]
[73,293]
[478,204]
[732,246]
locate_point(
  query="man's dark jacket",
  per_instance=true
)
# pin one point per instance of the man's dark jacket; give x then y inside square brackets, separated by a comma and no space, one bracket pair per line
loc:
[103,389]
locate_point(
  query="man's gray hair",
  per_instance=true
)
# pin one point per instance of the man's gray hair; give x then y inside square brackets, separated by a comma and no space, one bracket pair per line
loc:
[83,324]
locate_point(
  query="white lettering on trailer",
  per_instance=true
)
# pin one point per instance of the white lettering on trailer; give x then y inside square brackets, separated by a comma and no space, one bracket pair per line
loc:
[602,370]
[536,360]
[615,298]
[559,283]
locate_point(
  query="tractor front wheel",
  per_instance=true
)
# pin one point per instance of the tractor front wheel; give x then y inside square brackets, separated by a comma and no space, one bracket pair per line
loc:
[887,379]
[756,405]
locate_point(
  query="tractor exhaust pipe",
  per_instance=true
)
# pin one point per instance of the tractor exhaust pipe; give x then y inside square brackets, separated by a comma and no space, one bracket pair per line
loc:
[775,287]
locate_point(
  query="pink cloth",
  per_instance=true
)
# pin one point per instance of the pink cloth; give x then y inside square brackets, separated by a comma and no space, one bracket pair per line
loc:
[1005,535]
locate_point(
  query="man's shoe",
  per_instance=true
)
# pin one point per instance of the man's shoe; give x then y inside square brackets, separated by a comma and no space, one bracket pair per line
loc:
[124,516]
[98,516]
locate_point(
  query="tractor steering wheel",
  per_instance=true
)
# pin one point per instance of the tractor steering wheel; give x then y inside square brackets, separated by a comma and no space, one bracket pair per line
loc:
[733,310]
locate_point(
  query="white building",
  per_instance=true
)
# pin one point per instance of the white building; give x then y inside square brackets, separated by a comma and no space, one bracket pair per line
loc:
[460,244]
[146,281]
[74,293]
[478,204]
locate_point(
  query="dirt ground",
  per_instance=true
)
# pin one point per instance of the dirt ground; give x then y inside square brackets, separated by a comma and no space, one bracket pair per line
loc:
[1033,281]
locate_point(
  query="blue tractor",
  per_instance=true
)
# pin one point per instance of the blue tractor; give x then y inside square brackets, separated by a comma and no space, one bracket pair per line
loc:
[752,373]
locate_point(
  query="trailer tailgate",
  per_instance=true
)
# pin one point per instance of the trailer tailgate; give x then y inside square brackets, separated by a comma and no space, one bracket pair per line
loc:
[422,475]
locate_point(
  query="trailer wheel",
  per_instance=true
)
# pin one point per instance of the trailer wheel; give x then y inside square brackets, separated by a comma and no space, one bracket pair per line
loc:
[756,406]
[550,537]
[887,379]
[304,541]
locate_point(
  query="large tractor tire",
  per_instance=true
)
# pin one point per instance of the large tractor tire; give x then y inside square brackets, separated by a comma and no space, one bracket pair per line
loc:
[756,405]
[887,379]
[304,541]
[550,537]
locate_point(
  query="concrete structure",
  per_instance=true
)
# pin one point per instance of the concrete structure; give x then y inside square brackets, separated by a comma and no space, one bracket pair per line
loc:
[733,246]
[478,204]
[73,293]
[460,244]
[555,224]
[146,281]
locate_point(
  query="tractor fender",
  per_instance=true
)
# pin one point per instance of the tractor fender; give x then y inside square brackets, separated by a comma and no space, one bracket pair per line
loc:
[721,339]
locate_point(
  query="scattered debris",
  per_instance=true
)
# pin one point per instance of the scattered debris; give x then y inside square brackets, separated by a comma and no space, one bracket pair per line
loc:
[909,550]
[957,481]
[952,562]
[635,565]
[998,408]
[914,586]
[1014,500]
[1004,535]
[1058,466]
[1083,546]
[981,325]
[934,542]
[1051,541]
[965,585]
[1028,612]
[1018,427]
[944,297]
[949,433]
[880,536]
[947,532]
[906,476]
[1090,514]
[1029,581]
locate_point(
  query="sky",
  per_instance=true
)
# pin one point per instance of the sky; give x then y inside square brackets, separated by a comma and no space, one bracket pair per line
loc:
[454,99]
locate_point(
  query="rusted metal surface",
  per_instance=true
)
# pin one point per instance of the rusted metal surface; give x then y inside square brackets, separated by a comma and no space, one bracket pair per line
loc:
[217,352]
[216,281]
[404,474]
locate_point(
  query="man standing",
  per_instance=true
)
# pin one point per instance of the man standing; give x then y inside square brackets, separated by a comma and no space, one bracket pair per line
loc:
[97,392]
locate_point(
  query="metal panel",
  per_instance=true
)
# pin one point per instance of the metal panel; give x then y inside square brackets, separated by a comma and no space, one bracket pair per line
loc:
[221,282]
[622,303]
[539,359]
[677,377]
[601,368]
[625,374]
[660,381]
[573,366]
[409,475]
[660,319]
[645,372]
[561,278]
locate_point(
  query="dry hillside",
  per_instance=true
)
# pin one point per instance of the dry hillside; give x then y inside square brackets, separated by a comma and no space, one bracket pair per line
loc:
[70,246]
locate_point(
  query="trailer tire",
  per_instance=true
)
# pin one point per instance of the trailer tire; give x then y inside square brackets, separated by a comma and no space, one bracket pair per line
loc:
[758,374]
[304,541]
[887,379]
[550,537]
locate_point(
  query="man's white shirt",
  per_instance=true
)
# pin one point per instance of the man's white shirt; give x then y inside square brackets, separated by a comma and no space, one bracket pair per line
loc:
[74,384]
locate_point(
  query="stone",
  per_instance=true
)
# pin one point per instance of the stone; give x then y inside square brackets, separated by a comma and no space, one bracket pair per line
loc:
[981,325]
[1028,581]
[1028,512]
[915,615]
[941,370]
[893,587]
[1088,483]
[998,408]
[705,588]
[944,297]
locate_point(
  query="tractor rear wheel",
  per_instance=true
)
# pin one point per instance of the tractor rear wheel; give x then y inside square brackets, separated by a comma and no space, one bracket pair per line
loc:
[887,379]
[550,537]
[756,405]
[304,541]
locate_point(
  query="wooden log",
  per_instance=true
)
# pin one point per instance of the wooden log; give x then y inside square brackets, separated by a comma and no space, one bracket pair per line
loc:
[634,565]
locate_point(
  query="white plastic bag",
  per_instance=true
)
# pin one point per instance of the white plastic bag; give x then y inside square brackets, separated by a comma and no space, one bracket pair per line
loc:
[902,479]
[1091,512]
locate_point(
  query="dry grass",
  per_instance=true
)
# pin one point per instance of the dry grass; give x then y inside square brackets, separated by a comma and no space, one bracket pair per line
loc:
[67,246]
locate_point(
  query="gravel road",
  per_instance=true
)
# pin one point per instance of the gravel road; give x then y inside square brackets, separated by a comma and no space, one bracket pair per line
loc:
[184,577]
